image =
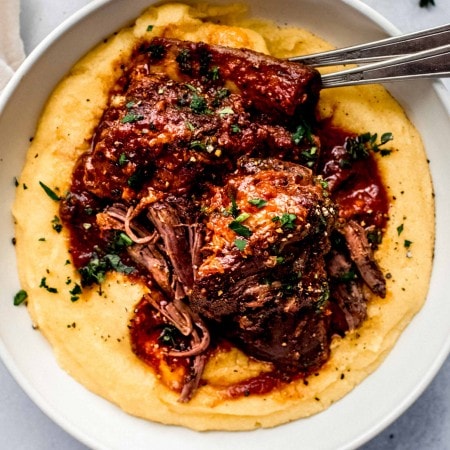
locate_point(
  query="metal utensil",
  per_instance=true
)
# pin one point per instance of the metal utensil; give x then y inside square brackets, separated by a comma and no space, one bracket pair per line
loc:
[424,54]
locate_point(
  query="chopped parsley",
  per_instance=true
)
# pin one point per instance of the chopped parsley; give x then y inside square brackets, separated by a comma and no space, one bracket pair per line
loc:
[214,73]
[131,117]
[240,244]
[75,292]
[302,133]
[150,28]
[286,220]
[238,228]
[198,104]
[400,229]
[56,224]
[50,192]
[122,159]
[407,243]
[95,270]
[44,285]
[258,202]
[20,297]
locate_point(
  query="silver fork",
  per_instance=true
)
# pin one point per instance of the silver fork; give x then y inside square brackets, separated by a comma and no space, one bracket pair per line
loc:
[423,54]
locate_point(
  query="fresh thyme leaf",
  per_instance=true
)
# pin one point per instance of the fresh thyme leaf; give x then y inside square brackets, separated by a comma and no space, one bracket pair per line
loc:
[359,147]
[51,193]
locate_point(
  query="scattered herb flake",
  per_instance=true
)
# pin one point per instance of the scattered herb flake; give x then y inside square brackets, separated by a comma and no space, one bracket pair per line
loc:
[400,229]
[44,285]
[51,193]
[240,244]
[150,28]
[286,220]
[258,202]
[56,224]
[75,292]
[198,104]
[131,117]
[407,243]
[240,229]
[225,111]
[20,297]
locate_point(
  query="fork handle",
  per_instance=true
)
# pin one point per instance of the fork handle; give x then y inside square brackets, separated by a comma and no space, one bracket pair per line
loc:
[433,63]
[382,49]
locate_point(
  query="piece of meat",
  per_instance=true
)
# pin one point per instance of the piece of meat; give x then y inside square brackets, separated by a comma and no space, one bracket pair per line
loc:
[265,285]
[348,299]
[361,253]
[184,112]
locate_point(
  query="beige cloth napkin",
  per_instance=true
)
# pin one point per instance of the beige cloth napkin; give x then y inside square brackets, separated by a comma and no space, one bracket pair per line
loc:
[11,47]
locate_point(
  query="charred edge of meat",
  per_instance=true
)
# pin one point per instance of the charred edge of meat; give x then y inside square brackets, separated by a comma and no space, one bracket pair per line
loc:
[300,84]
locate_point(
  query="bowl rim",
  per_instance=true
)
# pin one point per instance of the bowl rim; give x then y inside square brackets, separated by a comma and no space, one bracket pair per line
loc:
[6,95]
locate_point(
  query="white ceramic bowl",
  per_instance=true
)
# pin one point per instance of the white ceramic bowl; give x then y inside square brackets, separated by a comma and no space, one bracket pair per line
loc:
[363,413]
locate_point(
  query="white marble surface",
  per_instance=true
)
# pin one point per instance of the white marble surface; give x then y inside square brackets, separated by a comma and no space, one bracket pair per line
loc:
[425,425]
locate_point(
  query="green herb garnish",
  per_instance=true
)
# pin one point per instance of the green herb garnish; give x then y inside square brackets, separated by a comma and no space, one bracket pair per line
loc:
[240,244]
[286,220]
[240,229]
[56,224]
[258,202]
[95,270]
[198,104]
[20,297]
[52,194]
[359,147]
[44,285]
[131,117]
[75,292]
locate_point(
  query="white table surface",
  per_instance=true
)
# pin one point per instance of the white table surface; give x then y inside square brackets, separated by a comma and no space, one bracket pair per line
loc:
[425,425]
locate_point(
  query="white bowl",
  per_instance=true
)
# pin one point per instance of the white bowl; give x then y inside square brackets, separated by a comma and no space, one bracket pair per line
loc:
[358,417]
